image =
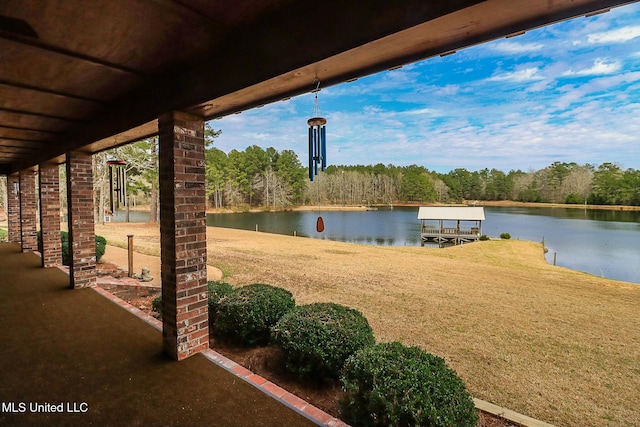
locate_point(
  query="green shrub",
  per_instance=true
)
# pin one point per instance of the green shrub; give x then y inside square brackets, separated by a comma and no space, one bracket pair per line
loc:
[4,235]
[484,237]
[394,385]
[318,338]
[66,258]
[247,314]
[217,290]
[574,199]
[101,246]
[156,304]
[505,236]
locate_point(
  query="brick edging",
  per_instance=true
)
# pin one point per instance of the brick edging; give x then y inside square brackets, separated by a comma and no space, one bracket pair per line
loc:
[272,390]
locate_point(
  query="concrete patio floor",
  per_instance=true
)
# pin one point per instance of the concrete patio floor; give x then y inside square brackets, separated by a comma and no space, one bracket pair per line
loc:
[72,357]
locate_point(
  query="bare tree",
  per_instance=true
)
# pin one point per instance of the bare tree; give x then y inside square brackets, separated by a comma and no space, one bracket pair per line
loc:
[233,194]
[578,182]
[100,184]
[441,189]
[521,184]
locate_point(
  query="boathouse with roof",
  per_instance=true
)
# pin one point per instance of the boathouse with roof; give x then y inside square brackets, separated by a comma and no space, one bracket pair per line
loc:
[450,224]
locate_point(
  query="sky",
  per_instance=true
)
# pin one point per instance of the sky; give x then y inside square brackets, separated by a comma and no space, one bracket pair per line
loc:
[568,92]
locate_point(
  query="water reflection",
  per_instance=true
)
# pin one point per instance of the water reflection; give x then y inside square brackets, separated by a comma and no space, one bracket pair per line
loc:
[603,243]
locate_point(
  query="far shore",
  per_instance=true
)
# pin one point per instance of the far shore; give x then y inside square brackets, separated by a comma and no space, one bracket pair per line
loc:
[362,207]
[487,203]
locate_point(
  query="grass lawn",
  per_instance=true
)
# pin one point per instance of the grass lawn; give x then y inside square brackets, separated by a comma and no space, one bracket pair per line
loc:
[545,341]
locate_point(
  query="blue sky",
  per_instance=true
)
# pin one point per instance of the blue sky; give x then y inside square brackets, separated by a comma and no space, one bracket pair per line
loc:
[568,92]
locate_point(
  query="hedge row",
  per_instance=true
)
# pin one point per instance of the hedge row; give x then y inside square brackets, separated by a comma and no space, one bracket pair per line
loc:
[385,384]
[101,246]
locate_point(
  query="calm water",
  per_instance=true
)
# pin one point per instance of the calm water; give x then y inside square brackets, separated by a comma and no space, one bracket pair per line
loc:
[604,243]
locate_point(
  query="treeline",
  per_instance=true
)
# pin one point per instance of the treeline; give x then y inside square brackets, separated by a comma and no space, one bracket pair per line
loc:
[257,177]
[275,179]
[560,182]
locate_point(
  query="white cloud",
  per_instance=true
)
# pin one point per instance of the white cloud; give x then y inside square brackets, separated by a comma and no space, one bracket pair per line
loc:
[600,67]
[519,76]
[619,35]
[421,112]
[594,87]
[447,90]
[511,48]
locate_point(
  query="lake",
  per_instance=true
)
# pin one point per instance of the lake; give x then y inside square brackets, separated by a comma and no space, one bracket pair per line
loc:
[601,242]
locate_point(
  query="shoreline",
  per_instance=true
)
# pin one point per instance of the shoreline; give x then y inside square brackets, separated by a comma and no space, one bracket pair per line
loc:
[512,204]
[484,203]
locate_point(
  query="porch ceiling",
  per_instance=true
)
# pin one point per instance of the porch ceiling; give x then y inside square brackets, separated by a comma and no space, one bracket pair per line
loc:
[91,75]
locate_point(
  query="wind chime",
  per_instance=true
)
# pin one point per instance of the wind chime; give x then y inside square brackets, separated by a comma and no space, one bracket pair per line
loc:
[117,184]
[317,147]
[317,139]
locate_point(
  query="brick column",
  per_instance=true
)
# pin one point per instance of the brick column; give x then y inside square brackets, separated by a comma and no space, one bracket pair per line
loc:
[13,208]
[50,215]
[82,245]
[183,235]
[28,210]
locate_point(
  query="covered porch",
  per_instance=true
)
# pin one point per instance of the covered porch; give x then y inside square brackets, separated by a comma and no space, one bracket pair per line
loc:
[83,77]
[78,352]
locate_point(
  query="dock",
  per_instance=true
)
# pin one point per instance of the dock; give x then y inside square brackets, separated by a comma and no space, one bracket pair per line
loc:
[450,225]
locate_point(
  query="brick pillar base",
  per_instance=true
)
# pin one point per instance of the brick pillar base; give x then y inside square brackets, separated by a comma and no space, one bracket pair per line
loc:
[13,208]
[82,245]
[183,235]
[50,215]
[28,210]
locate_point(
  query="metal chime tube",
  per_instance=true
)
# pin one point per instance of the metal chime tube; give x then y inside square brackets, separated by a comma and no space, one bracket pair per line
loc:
[311,145]
[323,148]
[122,201]
[111,188]
[125,196]
[316,149]
[121,194]
[117,189]
[317,146]
[119,186]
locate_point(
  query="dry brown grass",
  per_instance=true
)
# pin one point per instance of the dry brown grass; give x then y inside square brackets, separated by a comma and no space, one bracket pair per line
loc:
[545,341]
